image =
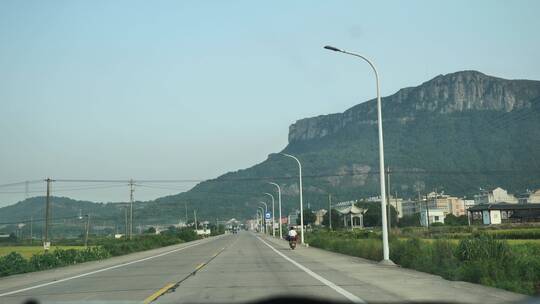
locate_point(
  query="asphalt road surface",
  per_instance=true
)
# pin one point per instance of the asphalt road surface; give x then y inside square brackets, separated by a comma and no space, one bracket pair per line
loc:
[239,268]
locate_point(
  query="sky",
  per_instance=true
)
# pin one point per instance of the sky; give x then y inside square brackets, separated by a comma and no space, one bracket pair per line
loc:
[194,89]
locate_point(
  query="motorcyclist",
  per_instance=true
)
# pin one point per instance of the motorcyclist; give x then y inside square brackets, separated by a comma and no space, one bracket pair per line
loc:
[291,235]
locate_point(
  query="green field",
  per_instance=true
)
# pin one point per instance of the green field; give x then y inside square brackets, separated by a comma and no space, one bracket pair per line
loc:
[29,251]
[456,241]
[493,258]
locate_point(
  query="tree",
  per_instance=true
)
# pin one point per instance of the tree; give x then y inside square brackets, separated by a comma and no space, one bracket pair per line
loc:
[336,222]
[151,230]
[309,217]
[453,220]
[372,217]
[412,220]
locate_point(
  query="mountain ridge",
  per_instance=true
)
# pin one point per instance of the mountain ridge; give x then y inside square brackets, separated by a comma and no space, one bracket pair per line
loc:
[455,132]
[506,99]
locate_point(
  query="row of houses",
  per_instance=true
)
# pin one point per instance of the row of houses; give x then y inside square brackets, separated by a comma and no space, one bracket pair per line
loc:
[488,207]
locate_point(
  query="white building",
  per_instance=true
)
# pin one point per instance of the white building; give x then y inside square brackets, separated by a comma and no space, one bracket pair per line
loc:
[534,197]
[447,203]
[468,203]
[530,197]
[497,195]
[435,216]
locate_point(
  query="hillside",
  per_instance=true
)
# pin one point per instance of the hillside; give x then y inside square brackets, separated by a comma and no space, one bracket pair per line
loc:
[64,213]
[454,133]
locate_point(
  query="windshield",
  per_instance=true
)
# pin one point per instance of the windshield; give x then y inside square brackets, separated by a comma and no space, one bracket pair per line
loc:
[242,151]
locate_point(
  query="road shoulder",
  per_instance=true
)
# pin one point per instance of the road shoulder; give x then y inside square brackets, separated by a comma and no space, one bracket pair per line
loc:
[26,280]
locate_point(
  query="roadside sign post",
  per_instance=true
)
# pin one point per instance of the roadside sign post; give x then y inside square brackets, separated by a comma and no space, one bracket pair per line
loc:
[267,217]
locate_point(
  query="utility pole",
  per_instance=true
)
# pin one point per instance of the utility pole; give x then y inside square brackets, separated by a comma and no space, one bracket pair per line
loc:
[427,211]
[195,217]
[126,222]
[26,189]
[396,206]
[330,211]
[31,227]
[47,211]
[87,229]
[131,190]
[185,205]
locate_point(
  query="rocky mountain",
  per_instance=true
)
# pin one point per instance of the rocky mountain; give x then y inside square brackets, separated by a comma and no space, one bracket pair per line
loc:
[454,133]
[466,91]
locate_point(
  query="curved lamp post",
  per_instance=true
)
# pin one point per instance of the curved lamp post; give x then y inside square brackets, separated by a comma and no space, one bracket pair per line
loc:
[263,228]
[386,251]
[279,207]
[264,217]
[259,220]
[273,219]
[301,200]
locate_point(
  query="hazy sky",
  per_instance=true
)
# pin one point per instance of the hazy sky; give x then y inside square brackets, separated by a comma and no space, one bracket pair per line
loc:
[193,89]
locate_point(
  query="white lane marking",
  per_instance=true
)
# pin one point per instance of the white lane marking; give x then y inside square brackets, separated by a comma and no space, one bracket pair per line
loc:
[335,287]
[100,270]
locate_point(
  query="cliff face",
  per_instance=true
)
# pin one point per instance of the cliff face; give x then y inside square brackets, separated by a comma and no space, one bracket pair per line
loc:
[457,92]
[456,132]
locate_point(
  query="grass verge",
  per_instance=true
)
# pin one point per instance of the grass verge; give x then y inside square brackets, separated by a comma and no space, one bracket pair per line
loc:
[481,259]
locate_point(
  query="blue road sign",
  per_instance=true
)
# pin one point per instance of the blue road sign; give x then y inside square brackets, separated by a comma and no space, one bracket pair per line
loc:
[268,215]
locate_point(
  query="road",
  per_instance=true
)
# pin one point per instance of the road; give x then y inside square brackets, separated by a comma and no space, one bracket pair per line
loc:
[239,268]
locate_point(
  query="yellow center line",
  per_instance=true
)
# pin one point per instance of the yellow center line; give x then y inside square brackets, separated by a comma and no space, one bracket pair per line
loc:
[158,293]
[199,266]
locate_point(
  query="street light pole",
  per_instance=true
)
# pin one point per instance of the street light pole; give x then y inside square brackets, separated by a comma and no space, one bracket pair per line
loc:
[262,219]
[265,211]
[279,207]
[386,250]
[257,214]
[273,219]
[301,200]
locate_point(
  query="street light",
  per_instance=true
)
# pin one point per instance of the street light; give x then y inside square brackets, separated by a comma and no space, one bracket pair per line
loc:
[301,201]
[273,219]
[386,251]
[265,212]
[262,219]
[259,220]
[279,207]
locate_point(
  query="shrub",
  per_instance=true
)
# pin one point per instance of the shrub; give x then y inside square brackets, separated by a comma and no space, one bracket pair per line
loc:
[13,263]
[145,242]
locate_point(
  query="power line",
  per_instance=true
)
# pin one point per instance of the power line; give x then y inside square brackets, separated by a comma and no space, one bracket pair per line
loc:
[265,178]
[21,183]
[69,189]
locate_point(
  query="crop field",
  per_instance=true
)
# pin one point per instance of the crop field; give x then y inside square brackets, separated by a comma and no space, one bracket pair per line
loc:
[456,241]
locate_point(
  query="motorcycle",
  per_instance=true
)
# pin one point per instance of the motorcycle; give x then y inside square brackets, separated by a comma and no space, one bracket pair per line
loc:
[292,242]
